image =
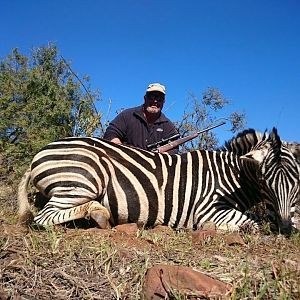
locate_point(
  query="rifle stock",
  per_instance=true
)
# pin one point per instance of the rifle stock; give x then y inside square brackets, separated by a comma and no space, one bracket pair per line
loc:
[180,141]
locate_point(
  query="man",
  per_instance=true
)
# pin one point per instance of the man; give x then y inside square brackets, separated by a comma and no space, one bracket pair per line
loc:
[145,124]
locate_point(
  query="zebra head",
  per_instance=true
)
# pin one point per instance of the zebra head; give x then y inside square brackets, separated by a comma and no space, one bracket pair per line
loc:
[278,175]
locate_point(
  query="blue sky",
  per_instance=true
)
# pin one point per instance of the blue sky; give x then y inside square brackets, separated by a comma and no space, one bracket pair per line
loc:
[250,50]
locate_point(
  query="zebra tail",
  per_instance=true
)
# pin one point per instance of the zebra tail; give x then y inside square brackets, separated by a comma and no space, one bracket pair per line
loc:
[25,213]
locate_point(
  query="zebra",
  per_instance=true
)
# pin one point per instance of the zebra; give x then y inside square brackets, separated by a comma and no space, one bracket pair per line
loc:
[247,140]
[86,177]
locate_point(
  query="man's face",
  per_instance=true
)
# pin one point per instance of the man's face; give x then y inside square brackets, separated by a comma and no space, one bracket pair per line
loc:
[154,102]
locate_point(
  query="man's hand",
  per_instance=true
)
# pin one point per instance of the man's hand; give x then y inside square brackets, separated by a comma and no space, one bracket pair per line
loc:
[116,141]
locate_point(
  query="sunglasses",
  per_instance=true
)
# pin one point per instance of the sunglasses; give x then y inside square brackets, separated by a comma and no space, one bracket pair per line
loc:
[157,97]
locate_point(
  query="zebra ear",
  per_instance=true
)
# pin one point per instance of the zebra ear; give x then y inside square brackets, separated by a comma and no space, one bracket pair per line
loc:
[257,155]
[275,141]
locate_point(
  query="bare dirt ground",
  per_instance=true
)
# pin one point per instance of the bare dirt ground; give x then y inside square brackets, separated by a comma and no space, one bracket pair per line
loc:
[90,263]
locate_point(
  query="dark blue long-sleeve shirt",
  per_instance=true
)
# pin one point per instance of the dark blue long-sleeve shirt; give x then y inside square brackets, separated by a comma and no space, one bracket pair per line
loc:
[131,127]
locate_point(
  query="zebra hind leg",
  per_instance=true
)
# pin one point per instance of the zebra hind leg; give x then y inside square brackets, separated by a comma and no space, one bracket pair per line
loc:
[100,215]
[57,212]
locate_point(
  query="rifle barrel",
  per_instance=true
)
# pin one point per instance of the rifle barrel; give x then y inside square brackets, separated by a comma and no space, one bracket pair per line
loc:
[173,144]
[211,127]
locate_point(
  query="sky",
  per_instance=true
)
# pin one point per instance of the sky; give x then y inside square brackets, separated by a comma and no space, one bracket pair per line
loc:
[248,49]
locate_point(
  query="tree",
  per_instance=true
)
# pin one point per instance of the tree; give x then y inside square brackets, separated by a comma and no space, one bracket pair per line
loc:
[200,114]
[41,100]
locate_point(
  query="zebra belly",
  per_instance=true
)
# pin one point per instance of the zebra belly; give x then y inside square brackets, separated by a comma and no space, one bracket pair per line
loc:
[144,211]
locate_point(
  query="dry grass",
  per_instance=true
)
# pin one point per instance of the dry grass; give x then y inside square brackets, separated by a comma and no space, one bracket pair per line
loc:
[64,263]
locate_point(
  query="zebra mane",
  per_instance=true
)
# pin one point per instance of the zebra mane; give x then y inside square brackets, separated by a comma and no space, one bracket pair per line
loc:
[249,139]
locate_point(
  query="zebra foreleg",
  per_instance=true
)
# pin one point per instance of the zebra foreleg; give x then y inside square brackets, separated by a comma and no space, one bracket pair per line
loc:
[55,212]
[233,220]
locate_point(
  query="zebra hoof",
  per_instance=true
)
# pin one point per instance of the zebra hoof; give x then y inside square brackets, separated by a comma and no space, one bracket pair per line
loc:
[100,218]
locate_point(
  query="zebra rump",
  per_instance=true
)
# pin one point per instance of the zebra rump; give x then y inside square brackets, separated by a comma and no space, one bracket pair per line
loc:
[91,177]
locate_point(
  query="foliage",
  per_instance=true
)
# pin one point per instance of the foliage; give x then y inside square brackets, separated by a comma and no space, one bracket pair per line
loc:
[41,100]
[199,114]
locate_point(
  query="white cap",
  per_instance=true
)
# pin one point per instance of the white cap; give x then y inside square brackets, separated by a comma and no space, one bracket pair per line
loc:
[156,87]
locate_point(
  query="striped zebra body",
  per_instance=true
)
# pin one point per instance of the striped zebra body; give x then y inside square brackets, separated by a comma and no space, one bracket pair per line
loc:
[89,177]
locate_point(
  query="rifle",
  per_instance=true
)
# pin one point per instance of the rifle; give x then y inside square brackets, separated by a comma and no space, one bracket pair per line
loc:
[155,146]
[167,144]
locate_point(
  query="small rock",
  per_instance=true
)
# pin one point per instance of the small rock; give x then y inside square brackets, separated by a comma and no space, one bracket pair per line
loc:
[209,225]
[131,228]
[162,281]
[161,228]
[201,235]
[234,238]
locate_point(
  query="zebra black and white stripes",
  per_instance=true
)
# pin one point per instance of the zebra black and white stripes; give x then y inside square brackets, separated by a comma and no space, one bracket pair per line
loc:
[85,177]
